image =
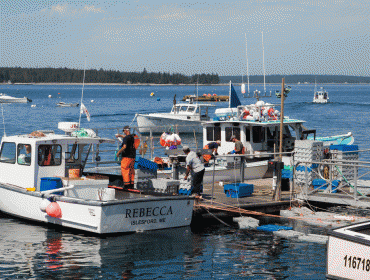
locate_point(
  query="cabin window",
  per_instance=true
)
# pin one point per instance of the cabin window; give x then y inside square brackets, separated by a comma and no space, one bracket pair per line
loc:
[8,153]
[258,134]
[183,108]
[24,154]
[230,131]
[191,109]
[213,133]
[247,134]
[72,153]
[49,155]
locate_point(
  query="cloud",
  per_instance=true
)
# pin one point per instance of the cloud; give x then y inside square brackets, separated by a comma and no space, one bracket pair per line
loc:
[69,11]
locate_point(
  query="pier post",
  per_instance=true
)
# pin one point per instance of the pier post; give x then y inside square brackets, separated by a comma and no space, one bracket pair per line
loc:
[151,144]
[278,171]
[242,160]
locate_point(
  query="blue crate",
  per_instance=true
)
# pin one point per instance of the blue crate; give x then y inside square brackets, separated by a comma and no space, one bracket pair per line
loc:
[142,163]
[273,228]
[238,190]
[286,174]
[344,148]
[322,184]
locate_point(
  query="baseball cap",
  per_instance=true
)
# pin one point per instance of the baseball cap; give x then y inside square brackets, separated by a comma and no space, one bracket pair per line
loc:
[185,148]
[232,137]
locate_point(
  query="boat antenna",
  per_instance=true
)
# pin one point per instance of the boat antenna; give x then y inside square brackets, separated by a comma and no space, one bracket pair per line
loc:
[246,53]
[82,94]
[263,62]
[2,113]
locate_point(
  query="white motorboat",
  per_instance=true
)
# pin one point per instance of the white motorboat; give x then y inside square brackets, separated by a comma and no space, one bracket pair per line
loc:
[321,96]
[4,98]
[348,251]
[51,190]
[185,117]
[63,104]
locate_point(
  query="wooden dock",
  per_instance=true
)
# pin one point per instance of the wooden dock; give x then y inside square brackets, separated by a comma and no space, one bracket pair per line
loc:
[260,201]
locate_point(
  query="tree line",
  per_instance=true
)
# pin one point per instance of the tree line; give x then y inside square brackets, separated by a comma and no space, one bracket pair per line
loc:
[65,75]
[297,79]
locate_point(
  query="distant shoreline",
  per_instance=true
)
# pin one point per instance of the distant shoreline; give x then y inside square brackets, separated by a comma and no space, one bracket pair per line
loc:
[140,84]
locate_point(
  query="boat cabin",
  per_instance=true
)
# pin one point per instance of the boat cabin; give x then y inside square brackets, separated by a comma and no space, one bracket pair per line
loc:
[192,111]
[25,159]
[256,126]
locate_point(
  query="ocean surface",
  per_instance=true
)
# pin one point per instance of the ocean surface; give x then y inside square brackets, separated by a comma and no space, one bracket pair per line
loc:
[207,250]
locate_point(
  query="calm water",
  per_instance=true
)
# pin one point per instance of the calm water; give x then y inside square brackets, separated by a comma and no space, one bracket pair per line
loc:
[208,250]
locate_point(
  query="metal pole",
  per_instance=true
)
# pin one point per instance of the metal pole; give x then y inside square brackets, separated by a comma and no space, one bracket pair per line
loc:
[281,118]
[151,143]
[213,178]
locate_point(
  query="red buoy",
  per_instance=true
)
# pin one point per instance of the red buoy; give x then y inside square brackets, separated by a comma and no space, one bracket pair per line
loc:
[53,210]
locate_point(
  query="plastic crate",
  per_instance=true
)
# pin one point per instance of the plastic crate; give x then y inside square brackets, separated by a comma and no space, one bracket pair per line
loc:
[142,163]
[322,184]
[273,228]
[288,174]
[238,190]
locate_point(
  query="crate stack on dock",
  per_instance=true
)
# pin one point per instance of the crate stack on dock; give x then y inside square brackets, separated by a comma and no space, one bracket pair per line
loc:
[306,152]
[344,153]
[145,170]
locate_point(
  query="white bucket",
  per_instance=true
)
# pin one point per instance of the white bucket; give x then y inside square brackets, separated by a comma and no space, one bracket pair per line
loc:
[106,194]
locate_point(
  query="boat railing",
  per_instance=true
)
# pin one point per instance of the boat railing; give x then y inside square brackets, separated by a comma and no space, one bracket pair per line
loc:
[103,154]
[343,178]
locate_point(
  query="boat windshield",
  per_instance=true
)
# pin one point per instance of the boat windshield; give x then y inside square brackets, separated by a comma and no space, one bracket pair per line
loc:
[191,109]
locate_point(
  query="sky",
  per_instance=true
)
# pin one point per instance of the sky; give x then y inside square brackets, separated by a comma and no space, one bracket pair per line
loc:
[318,37]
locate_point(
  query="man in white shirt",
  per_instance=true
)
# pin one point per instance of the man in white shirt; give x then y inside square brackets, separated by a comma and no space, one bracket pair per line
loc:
[196,167]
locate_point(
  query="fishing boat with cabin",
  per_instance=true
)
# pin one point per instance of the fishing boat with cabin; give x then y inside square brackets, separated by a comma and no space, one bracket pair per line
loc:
[51,189]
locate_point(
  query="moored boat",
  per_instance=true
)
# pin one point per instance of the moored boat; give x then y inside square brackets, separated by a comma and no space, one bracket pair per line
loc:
[187,117]
[63,104]
[51,189]
[348,251]
[321,96]
[4,98]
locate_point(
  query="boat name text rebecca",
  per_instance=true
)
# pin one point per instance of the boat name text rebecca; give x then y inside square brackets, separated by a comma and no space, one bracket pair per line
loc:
[148,212]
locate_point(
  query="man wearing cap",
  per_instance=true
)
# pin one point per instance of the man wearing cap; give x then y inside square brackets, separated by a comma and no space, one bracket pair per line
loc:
[128,151]
[196,167]
[239,148]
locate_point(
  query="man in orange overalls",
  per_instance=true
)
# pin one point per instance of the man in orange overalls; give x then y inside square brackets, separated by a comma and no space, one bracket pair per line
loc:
[128,151]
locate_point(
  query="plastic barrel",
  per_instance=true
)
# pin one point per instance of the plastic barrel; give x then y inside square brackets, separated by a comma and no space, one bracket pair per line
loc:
[51,183]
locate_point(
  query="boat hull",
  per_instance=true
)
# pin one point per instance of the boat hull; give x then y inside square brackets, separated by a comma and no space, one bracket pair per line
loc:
[348,253]
[255,170]
[160,124]
[15,100]
[115,216]
[320,101]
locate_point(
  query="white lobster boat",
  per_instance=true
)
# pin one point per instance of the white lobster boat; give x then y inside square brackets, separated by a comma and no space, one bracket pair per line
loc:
[348,252]
[321,96]
[186,116]
[32,166]
[4,98]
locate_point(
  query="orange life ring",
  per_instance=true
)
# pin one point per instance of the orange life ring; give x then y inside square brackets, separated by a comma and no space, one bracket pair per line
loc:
[206,158]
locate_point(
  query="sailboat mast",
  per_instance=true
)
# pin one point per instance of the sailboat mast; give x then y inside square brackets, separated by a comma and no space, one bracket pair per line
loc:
[263,62]
[246,53]
[82,94]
